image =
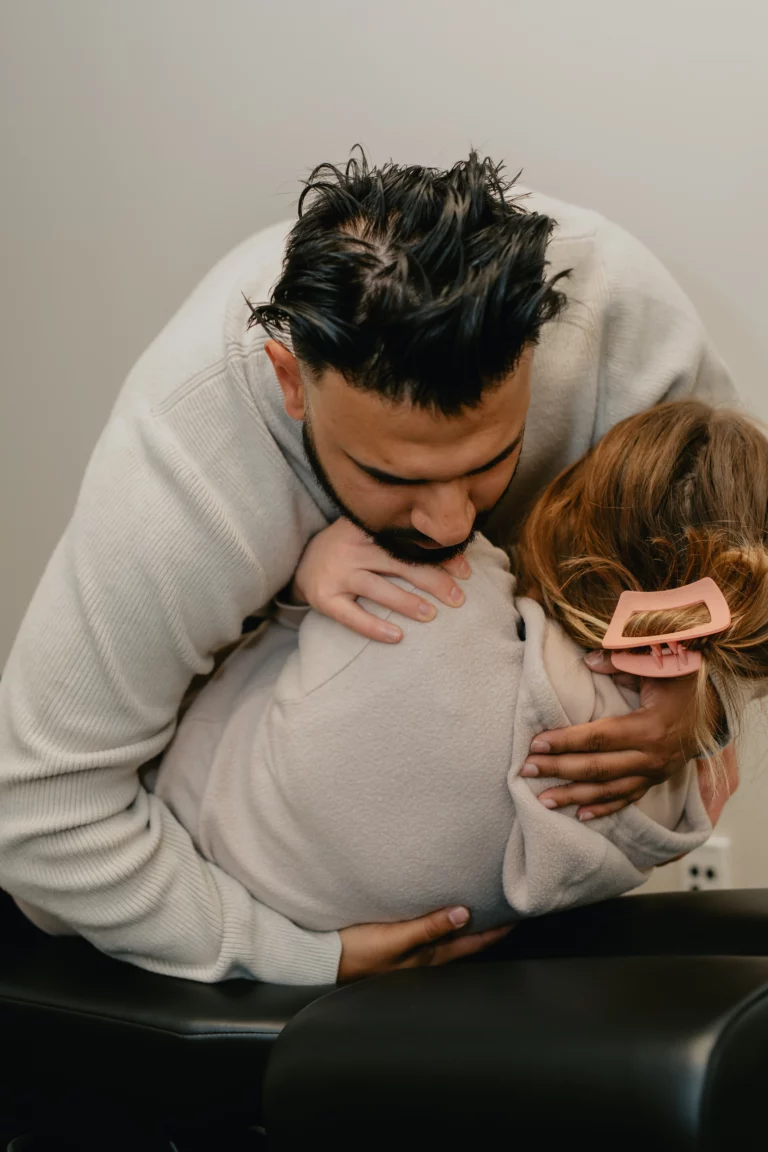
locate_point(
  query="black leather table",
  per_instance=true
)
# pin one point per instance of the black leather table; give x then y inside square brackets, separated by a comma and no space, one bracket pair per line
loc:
[641,1022]
[87,1033]
[633,1054]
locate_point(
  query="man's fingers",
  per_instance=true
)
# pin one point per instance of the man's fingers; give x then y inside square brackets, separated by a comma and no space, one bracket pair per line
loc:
[351,615]
[368,949]
[596,769]
[592,811]
[468,945]
[628,788]
[436,954]
[425,932]
[389,595]
[613,734]
[597,810]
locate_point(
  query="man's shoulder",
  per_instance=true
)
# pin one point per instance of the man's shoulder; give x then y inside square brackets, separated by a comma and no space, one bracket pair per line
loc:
[584,236]
[554,672]
[572,222]
[255,263]
[457,642]
[208,333]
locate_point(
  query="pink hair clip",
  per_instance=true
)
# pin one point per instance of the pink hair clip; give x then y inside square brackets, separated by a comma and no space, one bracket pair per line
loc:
[668,655]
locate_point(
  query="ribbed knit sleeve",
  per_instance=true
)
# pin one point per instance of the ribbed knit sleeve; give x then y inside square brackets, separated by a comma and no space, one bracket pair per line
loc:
[654,346]
[189,519]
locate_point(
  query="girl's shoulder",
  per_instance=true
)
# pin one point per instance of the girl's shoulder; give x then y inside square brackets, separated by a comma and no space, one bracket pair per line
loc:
[485,625]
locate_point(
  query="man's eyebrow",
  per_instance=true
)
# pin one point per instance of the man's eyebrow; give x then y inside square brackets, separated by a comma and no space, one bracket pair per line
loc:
[390,478]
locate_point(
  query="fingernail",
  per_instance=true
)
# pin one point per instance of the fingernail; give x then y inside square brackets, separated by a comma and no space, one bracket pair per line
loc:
[583,816]
[529,770]
[457,596]
[426,611]
[593,659]
[458,917]
[541,746]
[549,803]
[391,632]
[463,569]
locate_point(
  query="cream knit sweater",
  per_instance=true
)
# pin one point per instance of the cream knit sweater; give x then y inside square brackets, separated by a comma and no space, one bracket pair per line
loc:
[194,510]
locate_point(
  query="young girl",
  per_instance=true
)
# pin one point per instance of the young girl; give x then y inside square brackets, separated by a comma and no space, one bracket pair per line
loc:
[347,782]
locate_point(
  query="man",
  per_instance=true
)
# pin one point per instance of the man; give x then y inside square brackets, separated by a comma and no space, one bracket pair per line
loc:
[422,324]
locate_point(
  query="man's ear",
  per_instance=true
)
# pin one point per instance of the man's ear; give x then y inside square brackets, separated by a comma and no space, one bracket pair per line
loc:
[286,368]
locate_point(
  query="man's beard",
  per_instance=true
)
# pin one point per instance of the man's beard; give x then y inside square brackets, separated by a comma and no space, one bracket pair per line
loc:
[402,544]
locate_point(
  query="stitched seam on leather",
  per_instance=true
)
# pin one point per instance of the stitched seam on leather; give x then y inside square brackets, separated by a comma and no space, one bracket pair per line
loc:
[198,1035]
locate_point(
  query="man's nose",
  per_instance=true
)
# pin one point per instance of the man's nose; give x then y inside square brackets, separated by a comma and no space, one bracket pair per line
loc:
[445,513]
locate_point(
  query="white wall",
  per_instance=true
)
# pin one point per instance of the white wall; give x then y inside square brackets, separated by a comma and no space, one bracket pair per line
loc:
[141,138]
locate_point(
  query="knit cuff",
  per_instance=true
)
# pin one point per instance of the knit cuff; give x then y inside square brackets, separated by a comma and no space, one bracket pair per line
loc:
[292,955]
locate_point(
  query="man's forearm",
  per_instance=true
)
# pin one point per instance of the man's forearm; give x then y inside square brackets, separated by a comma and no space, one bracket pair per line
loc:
[133,884]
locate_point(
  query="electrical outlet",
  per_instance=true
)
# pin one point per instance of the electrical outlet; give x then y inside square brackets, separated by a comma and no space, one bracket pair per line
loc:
[708,867]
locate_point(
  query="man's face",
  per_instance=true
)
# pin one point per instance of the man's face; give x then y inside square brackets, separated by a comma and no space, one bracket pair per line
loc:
[420,484]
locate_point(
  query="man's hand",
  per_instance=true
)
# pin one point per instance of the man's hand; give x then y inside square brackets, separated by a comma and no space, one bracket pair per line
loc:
[372,949]
[613,762]
[342,563]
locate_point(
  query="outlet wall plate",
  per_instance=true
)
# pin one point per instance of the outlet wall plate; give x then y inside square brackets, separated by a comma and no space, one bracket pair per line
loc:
[708,867]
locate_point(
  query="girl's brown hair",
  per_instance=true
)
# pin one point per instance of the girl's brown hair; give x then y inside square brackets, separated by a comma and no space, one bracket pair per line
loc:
[665,498]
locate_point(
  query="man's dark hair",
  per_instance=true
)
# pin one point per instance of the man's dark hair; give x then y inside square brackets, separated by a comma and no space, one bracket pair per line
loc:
[417,284]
